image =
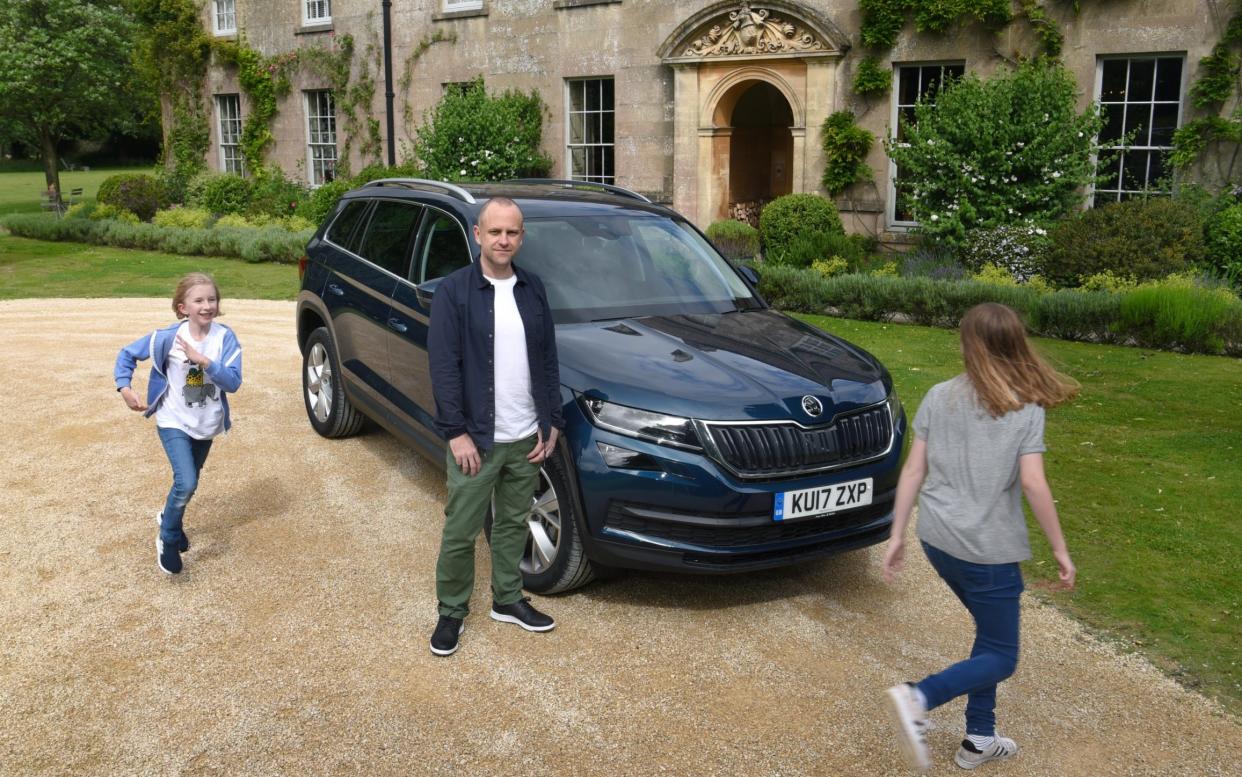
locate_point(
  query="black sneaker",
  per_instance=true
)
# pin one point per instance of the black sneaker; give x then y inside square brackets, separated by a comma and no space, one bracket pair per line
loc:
[168,557]
[444,638]
[185,539]
[523,615]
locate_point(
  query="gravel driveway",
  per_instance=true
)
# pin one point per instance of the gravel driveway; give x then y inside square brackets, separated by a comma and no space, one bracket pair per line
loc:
[296,640]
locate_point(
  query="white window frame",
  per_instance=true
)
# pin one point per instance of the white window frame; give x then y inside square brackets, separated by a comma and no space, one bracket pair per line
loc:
[320,136]
[1116,192]
[224,17]
[451,6]
[309,7]
[588,115]
[229,129]
[890,206]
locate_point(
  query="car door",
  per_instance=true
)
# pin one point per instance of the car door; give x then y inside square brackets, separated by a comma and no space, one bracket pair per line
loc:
[442,247]
[361,290]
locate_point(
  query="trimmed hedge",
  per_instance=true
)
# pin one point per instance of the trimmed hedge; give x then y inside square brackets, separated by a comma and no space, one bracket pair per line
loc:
[270,244]
[737,240]
[788,217]
[1172,316]
[137,193]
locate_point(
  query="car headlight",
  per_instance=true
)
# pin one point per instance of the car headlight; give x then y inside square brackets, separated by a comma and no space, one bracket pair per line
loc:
[643,424]
[894,405]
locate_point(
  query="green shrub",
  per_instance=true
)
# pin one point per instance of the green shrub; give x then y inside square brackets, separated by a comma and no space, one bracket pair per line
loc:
[938,262]
[1107,281]
[845,147]
[1018,248]
[1073,314]
[182,217]
[275,195]
[1179,316]
[1146,239]
[1224,242]
[234,220]
[228,193]
[473,136]
[871,77]
[806,248]
[106,211]
[1009,150]
[324,199]
[137,193]
[81,210]
[791,215]
[830,267]
[736,240]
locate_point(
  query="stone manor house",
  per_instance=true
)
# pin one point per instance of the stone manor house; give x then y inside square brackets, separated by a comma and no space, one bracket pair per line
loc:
[712,107]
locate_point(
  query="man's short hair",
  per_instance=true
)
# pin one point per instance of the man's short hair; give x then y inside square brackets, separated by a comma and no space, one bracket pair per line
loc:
[497,201]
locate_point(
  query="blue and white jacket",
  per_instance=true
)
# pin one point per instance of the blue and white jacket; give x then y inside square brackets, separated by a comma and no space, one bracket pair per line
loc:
[225,372]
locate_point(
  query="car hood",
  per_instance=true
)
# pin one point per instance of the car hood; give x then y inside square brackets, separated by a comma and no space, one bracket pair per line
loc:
[733,366]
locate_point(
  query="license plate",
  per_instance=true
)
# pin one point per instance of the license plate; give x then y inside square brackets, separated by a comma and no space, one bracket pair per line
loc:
[824,500]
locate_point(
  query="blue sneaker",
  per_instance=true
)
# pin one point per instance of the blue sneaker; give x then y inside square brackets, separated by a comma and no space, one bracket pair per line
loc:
[168,557]
[185,539]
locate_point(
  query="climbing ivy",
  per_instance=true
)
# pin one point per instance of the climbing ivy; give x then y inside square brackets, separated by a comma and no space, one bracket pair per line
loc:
[882,20]
[1217,73]
[1046,29]
[871,77]
[407,74]
[265,80]
[1216,84]
[846,146]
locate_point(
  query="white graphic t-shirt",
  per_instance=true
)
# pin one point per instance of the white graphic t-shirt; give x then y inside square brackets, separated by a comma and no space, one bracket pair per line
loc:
[192,402]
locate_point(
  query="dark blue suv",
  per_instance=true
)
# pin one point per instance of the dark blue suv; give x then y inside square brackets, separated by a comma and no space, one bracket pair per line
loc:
[705,432]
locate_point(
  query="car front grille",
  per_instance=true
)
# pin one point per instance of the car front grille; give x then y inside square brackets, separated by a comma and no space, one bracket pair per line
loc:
[735,530]
[784,449]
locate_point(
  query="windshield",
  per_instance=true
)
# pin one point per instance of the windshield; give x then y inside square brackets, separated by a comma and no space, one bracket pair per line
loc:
[604,267]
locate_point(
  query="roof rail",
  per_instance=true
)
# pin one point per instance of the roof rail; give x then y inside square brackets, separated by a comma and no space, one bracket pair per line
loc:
[413,183]
[567,184]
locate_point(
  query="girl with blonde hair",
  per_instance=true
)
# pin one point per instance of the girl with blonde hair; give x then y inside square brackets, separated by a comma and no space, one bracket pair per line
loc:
[978,447]
[195,363]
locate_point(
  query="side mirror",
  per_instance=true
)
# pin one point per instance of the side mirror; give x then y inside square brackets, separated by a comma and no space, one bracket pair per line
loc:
[426,290]
[749,274]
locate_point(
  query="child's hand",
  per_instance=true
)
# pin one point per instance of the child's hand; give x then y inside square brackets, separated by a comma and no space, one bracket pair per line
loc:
[894,558]
[192,353]
[132,399]
[1068,572]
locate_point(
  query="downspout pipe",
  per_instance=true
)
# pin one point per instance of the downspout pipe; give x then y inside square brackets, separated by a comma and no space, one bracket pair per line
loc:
[388,92]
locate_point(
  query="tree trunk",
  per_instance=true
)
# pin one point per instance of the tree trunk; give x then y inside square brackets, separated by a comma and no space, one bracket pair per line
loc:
[166,126]
[51,161]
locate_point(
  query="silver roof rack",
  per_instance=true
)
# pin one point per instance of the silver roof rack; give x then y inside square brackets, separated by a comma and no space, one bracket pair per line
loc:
[413,183]
[567,184]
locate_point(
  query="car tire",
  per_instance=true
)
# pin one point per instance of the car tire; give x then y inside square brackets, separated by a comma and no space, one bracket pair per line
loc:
[323,392]
[554,560]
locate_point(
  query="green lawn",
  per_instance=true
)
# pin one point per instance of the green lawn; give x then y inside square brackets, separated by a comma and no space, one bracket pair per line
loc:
[36,268]
[20,191]
[1145,468]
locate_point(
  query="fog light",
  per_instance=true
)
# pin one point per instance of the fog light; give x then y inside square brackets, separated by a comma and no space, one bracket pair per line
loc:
[624,458]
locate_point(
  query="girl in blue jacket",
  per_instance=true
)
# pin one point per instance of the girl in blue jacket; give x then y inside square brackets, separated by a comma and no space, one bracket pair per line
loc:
[196,362]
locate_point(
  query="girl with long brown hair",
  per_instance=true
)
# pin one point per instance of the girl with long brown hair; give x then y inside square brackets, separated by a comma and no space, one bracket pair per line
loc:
[978,447]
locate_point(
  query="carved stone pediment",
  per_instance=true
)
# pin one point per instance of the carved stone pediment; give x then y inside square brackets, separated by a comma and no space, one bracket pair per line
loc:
[753,30]
[759,29]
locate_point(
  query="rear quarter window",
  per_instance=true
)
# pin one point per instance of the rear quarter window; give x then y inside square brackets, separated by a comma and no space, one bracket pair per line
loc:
[344,230]
[390,235]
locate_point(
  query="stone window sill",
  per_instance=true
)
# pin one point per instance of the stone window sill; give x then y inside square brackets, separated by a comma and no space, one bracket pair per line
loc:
[563,4]
[312,29]
[463,14]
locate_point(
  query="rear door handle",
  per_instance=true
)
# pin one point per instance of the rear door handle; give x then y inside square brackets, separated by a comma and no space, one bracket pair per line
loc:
[337,290]
[397,324]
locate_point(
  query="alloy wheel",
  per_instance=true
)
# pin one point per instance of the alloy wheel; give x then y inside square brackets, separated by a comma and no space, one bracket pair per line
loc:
[319,382]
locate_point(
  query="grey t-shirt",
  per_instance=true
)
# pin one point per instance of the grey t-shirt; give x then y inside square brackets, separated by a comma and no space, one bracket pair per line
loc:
[971,502]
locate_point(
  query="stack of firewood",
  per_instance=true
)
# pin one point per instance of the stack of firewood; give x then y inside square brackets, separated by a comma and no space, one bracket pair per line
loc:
[747,212]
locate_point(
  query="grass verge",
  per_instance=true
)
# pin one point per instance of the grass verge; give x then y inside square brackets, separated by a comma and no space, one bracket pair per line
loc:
[20,191]
[36,268]
[1144,465]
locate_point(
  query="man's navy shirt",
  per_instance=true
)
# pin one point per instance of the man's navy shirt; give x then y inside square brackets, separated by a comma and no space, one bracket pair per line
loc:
[461,347]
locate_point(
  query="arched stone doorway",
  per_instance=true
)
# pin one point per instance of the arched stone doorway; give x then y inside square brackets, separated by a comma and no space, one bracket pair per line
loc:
[729,60]
[760,149]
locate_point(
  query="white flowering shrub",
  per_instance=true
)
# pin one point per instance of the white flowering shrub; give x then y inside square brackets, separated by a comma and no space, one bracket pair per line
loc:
[1017,248]
[1011,150]
[473,136]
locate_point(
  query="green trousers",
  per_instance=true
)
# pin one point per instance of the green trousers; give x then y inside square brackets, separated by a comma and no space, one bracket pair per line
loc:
[506,474]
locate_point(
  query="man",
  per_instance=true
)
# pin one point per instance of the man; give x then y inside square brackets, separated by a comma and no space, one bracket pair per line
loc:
[496,382]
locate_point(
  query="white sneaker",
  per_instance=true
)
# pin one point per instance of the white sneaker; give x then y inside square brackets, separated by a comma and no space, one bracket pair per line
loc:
[968,756]
[911,718]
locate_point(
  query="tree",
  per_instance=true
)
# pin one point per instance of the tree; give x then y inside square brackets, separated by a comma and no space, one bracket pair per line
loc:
[1011,150]
[65,72]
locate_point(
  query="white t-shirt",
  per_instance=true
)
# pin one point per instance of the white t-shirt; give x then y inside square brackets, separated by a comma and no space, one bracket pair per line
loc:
[192,401]
[515,407]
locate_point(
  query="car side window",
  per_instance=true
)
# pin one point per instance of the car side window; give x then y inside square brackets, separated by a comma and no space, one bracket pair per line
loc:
[342,231]
[390,234]
[444,248]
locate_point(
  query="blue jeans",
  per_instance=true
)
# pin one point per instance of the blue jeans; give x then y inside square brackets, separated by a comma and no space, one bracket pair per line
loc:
[186,455]
[991,592]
